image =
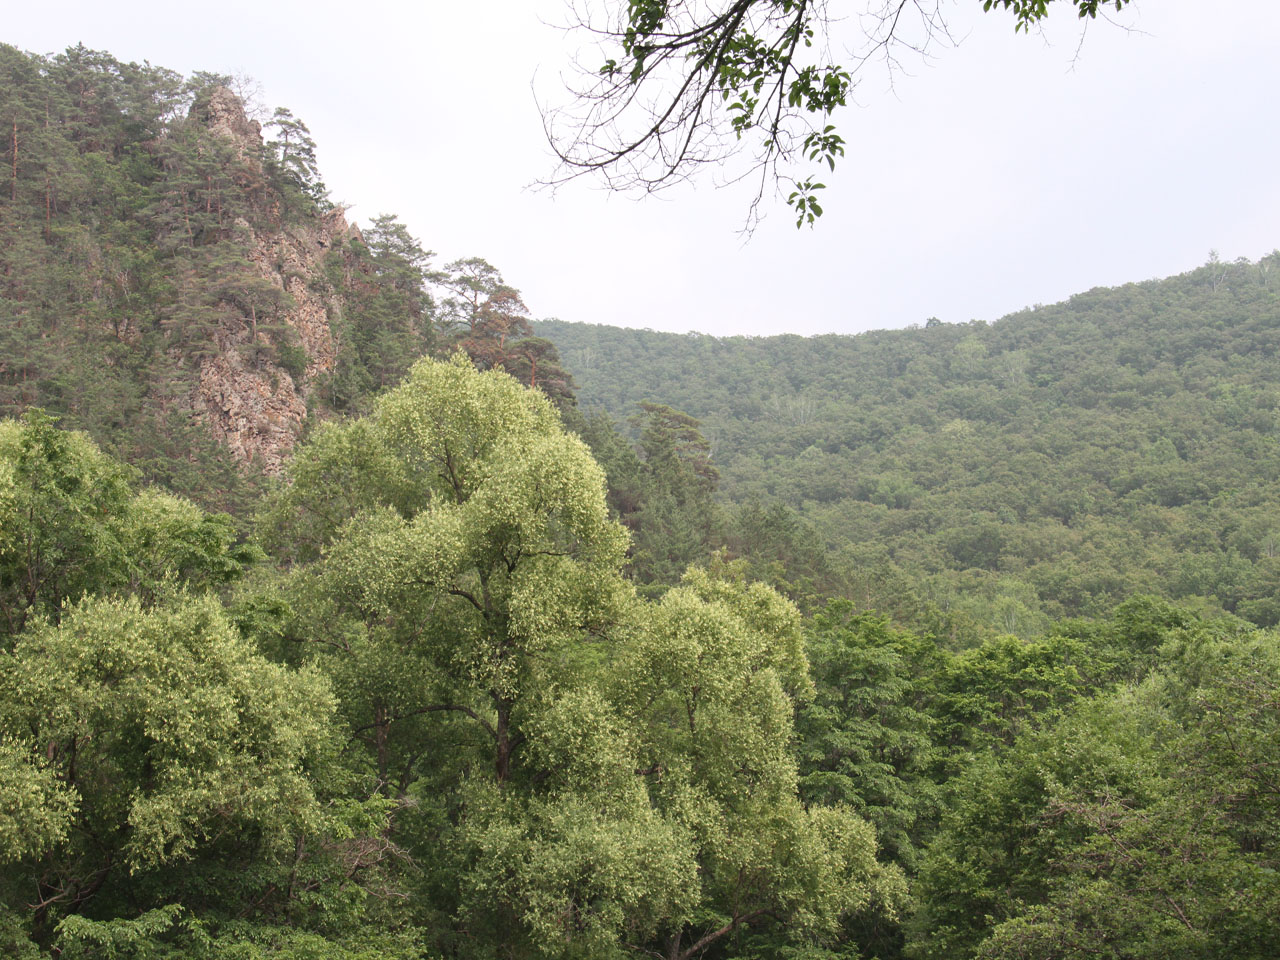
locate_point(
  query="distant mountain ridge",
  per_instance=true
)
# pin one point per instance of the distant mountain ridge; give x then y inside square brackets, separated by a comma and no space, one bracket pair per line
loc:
[1058,459]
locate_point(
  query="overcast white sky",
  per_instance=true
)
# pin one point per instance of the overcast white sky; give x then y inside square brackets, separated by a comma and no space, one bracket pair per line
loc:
[997,177]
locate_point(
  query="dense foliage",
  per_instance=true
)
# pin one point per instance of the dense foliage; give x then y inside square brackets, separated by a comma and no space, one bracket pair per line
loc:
[441,723]
[140,242]
[471,712]
[981,477]
[484,676]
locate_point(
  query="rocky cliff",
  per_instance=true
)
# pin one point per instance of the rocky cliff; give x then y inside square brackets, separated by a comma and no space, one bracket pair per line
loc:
[248,399]
[180,289]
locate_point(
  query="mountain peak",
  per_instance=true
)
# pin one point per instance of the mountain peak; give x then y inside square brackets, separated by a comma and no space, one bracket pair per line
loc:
[222,112]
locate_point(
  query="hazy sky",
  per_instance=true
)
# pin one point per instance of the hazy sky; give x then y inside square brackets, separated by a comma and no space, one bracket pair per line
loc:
[1000,175]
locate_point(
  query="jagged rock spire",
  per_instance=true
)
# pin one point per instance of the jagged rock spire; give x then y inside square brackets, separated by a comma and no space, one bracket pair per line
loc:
[223,113]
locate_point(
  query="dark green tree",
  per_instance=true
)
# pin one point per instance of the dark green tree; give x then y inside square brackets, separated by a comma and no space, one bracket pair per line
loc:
[1140,825]
[489,321]
[677,521]
[868,737]
[292,156]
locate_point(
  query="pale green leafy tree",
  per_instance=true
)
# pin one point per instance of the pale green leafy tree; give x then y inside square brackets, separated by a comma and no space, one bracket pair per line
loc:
[467,576]
[59,496]
[467,555]
[71,525]
[712,679]
[135,738]
[37,809]
[584,774]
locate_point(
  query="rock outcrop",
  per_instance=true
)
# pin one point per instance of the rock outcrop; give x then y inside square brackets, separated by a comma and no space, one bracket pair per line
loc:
[223,114]
[251,402]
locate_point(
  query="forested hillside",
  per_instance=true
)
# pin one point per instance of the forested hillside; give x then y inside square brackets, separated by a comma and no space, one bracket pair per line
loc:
[176,282]
[333,627]
[1050,463]
[434,720]
[161,271]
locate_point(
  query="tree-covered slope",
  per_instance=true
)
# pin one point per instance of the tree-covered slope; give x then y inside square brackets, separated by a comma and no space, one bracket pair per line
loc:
[1049,463]
[175,281]
[177,284]
[470,688]
[436,722]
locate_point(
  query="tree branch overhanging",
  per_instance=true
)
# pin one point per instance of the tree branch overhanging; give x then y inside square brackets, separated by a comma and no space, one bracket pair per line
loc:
[666,87]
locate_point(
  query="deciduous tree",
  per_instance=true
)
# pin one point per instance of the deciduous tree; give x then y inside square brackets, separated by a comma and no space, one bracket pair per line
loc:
[681,85]
[586,772]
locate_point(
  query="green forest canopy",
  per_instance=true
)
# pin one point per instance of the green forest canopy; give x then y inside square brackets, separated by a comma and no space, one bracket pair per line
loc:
[437,721]
[488,676]
[1052,463]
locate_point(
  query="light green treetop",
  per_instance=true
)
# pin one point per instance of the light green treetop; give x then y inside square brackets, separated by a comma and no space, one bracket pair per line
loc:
[71,525]
[139,736]
[587,773]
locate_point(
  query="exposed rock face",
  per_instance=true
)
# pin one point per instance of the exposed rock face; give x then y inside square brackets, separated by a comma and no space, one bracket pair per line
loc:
[224,115]
[257,412]
[254,405]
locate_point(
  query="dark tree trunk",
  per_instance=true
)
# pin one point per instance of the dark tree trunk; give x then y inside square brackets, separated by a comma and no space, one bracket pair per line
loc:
[502,736]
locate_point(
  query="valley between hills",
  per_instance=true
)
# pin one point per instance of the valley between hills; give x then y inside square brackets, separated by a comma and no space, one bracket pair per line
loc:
[350,611]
